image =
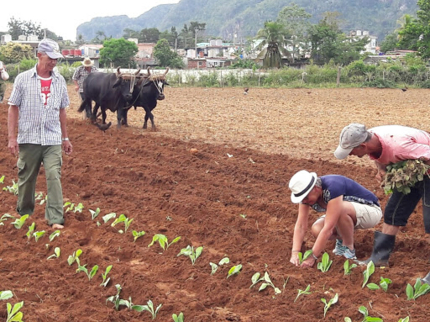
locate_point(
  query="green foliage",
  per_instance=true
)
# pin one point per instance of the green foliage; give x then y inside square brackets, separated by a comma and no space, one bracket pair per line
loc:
[325,263]
[178,318]
[403,175]
[302,257]
[244,63]
[383,283]
[74,257]
[363,310]
[266,282]
[137,234]
[66,71]
[14,52]
[419,289]
[5,295]
[209,80]
[214,266]
[94,213]
[106,279]
[13,188]
[379,83]
[57,253]
[191,253]
[162,240]
[38,234]
[370,269]
[30,230]
[122,218]
[19,222]
[165,55]
[272,47]
[90,274]
[347,267]
[150,308]
[301,292]
[234,270]
[108,217]
[54,235]
[119,52]
[13,313]
[329,303]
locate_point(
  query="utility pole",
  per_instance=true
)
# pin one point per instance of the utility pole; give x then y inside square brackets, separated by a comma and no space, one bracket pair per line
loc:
[195,40]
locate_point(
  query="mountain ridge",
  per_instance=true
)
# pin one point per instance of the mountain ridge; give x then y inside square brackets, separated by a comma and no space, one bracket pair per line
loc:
[243,18]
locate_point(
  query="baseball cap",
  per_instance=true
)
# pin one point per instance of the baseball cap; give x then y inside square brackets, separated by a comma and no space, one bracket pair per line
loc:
[50,47]
[351,136]
[301,184]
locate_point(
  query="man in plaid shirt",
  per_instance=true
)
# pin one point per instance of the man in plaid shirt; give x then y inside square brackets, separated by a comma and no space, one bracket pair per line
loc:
[38,106]
[81,73]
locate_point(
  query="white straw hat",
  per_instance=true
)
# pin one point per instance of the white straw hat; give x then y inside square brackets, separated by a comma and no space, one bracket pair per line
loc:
[87,62]
[301,184]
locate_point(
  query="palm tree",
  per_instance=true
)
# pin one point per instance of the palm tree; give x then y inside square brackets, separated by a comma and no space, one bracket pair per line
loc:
[273,44]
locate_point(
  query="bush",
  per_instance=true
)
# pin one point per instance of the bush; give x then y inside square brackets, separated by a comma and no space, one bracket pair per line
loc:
[379,83]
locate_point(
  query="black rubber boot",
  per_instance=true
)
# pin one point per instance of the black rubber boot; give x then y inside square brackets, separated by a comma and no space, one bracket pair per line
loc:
[383,245]
[426,280]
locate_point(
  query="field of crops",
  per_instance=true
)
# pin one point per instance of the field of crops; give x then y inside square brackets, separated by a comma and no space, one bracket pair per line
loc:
[215,174]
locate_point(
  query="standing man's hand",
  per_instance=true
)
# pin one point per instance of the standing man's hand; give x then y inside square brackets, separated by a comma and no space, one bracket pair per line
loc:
[13,146]
[67,147]
[76,88]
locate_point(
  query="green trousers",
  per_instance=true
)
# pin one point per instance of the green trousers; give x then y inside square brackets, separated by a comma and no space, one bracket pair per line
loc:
[31,156]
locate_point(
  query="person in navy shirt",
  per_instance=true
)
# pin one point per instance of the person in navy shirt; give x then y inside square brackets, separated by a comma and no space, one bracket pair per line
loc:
[347,206]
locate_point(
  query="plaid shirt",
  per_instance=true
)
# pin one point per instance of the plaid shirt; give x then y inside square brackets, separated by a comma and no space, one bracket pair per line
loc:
[39,123]
[80,74]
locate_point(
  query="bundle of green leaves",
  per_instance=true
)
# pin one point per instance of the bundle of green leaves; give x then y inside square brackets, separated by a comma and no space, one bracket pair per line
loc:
[403,175]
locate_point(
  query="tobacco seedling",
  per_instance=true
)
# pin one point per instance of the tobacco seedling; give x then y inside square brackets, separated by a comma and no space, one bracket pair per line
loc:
[108,217]
[302,257]
[419,289]
[13,188]
[56,254]
[74,257]
[38,234]
[5,295]
[40,197]
[90,274]
[13,314]
[149,307]
[367,318]
[330,303]
[95,213]
[306,291]
[325,263]
[214,266]
[384,282]
[19,222]
[162,240]
[266,282]
[370,269]
[2,179]
[234,270]
[347,267]
[191,253]
[124,219]
[137,234]
[31,230]
[6,217]
[178,318]
[403,175]
[104,276]
[115,298]
[406,319]
[54,234]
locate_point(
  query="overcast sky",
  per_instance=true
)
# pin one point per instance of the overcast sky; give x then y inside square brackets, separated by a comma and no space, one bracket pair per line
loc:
[63,18]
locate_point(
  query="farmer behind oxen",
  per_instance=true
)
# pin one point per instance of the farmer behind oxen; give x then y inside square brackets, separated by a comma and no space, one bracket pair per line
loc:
[347,204]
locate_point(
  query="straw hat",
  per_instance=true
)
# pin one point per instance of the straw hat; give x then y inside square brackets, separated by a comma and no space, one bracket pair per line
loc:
[87,62]
[301,184]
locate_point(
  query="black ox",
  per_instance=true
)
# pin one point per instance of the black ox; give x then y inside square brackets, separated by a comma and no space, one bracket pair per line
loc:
[109,91]
[149,90]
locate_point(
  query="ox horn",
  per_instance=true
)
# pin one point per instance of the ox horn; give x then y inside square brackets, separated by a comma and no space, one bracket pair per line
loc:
[149,71]
[137,73]
[167,70]
[118,73]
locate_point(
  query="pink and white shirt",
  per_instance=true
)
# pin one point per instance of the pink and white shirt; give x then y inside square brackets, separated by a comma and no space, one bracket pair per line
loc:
[401,143]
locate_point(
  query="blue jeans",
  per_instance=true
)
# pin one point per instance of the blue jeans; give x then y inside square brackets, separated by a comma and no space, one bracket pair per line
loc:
[400,206]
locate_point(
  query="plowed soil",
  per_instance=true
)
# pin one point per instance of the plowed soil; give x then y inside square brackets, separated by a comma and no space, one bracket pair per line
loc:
[229,195]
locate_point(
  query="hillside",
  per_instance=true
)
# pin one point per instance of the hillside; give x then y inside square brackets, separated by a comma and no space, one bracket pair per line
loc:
[245,17]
